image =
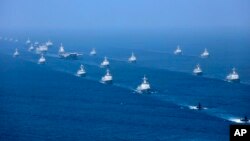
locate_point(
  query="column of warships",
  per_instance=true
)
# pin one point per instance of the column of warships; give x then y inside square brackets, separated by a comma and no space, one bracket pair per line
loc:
[42,48]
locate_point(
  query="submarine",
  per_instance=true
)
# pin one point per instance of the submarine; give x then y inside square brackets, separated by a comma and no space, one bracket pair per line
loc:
[199,107]
[245,119]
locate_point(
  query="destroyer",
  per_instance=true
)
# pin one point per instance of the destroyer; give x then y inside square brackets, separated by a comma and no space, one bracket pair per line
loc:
[31,48]
[132,58]
[233,76]
[81,71]
[144,87]
[105,62]
[197,70]
[205,53]
[61,49]
[107,78]
[49,43]
[42,49]
[92,52]
[28,41]
[42,60]
[16,53]
[178,51]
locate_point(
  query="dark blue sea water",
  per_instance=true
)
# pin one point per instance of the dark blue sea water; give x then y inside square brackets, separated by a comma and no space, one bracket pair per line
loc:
[48,102]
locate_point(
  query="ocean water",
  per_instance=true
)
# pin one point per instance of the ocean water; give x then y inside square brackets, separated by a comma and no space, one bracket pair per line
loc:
[49,102]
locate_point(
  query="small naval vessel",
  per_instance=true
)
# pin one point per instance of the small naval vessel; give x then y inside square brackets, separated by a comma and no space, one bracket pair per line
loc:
[49,43]
[31,48]
[16,53]
[28,41]
[132,58]
[107,78]
[178,51]
[205,53]
[233,76]
[42,60]
[105,62]
[61,49]
[42,49]
[144,87]
[36,43]
[81,71]
[197,70]
[92,52]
